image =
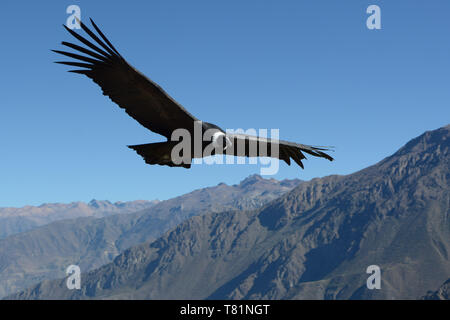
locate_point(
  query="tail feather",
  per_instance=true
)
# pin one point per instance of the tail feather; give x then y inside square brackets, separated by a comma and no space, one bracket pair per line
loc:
[158,153]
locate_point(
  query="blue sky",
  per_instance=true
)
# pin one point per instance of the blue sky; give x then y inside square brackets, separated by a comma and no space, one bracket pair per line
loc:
[310,68]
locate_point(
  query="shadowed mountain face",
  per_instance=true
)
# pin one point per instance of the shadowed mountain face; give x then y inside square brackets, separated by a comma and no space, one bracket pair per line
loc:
[443,293]
[16,220]
[315,242]
[45,252]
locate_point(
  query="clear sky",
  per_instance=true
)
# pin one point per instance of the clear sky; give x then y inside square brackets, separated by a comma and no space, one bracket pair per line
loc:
[309,68]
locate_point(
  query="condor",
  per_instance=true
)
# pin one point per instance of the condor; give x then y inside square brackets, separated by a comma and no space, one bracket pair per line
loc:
[154,109]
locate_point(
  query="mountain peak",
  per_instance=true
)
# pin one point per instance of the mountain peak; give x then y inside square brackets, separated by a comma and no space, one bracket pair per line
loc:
[97,203]
[252,179]
[428,141]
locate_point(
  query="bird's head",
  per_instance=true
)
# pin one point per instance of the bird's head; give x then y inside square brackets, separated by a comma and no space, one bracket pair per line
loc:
[218,137]
[220,140]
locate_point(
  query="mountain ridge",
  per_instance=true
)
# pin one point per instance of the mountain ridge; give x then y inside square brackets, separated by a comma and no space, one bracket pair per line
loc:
[16,220]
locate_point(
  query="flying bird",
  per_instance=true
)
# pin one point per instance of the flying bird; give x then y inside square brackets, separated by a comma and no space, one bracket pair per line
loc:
[147,103]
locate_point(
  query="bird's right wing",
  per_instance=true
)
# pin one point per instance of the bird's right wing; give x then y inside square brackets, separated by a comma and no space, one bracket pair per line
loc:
[141,98]
[244,145]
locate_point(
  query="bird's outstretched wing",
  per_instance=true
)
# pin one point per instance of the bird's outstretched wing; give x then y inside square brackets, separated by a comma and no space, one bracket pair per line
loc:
[244,145]
[141,98]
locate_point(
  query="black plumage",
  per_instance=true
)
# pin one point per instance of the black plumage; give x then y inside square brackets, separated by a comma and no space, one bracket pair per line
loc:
[153,108]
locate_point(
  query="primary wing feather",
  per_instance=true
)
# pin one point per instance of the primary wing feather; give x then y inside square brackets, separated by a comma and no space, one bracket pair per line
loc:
[142,99]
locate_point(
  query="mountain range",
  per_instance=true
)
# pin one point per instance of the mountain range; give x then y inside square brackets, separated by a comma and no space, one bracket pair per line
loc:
[45,252]
[16,220]
[314,242]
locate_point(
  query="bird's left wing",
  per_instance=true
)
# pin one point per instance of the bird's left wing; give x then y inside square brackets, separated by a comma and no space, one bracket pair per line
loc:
[244,145]
[141,98]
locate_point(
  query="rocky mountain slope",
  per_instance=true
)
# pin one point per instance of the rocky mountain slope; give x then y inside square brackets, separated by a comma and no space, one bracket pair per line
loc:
[46,252]
[315,242]
[442,293]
